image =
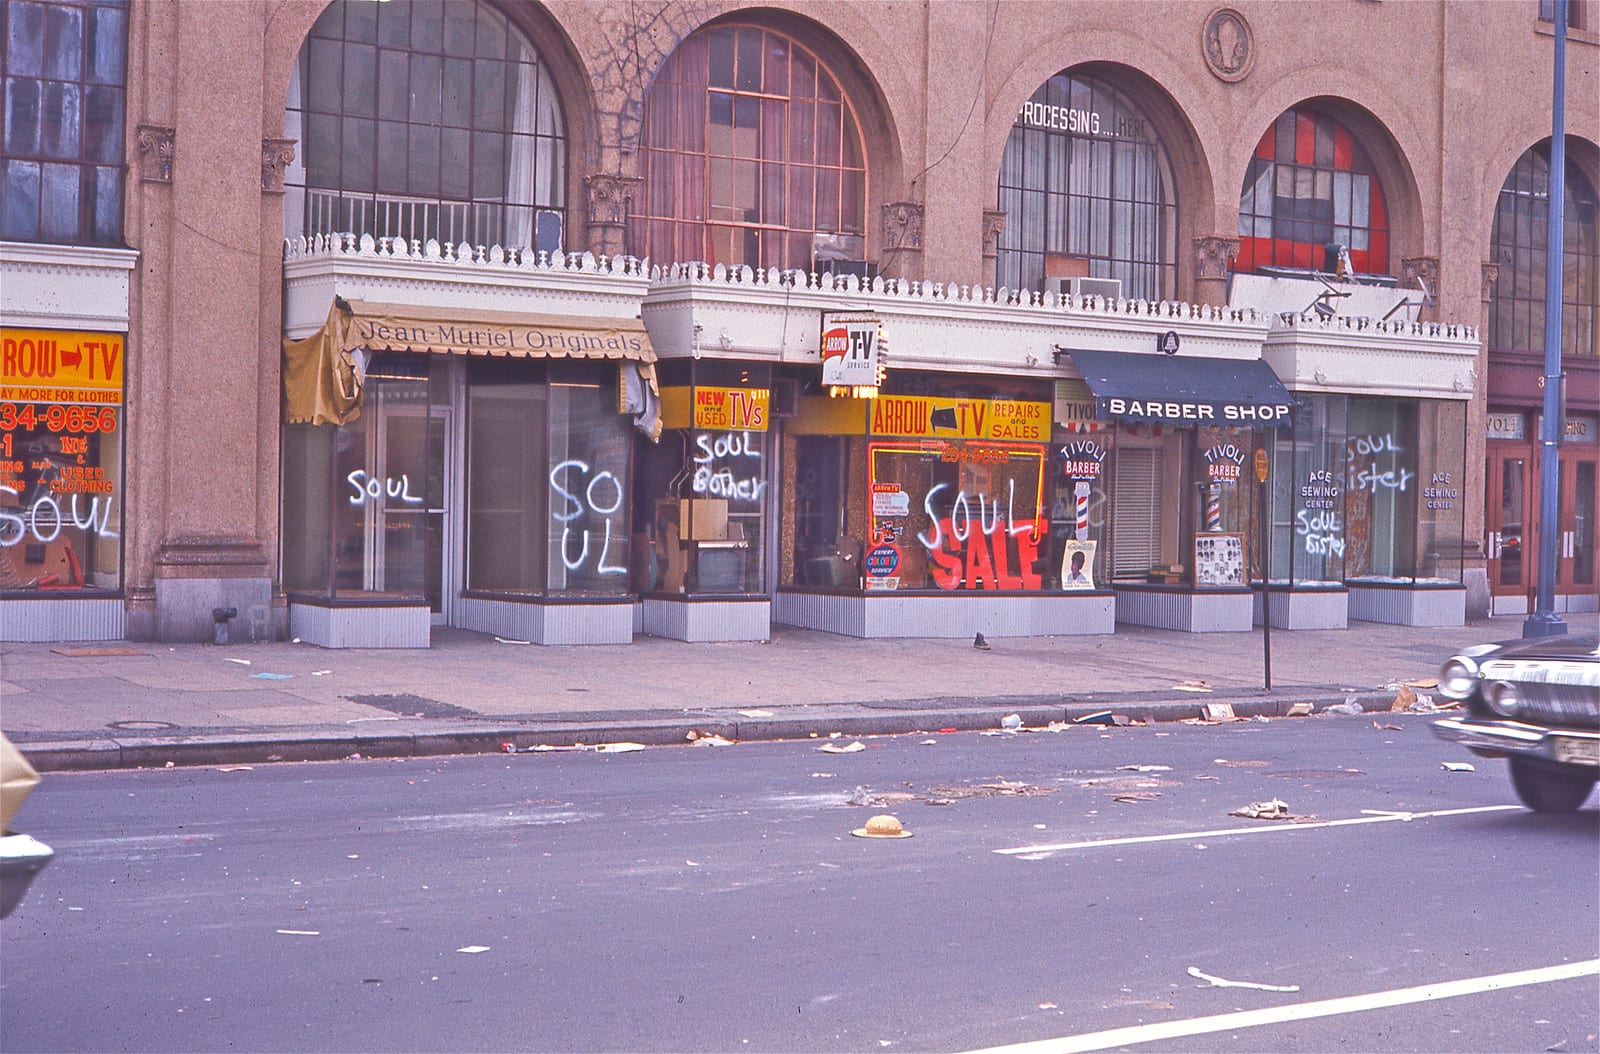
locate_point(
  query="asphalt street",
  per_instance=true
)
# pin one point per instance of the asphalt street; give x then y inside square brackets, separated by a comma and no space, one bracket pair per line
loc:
[1056,885]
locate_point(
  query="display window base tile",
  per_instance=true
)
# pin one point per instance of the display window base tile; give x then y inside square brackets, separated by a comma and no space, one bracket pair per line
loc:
[367,626]
[64,619]
[1307,609]
[1409,606]
[703,620]
[893,614]
[1188,610]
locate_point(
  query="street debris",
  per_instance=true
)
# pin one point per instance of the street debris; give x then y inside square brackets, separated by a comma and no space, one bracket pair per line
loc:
[320,673]
[1388,728]
[511,640]
[233,768]
[1011,722]
[979,643]
[598,748]
[1417,703]
[1299,710]
[708,739]
[1192,686]
[1218,982]
[754,713]
[273,676]
[1105,717]
[1241,764]
[1457,766]
[618,748]
[301,933]
[473,949]
[849,748]
[1218,712]
[1144,768]
[241,662]
[1131,797]
[1351,707]
[879,799]
[1002,789]
[884,826]
[1269,810]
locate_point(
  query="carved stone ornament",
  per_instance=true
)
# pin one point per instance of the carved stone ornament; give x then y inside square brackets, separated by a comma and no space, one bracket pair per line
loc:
[994,221]
[1211,256]
[902,225]
[1229,46]
[156,145]
[610,197]
[1491,278]
[1421,272]
[275,157]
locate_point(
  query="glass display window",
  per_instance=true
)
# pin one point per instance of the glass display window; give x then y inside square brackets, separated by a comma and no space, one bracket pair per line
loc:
[1308,495]
[1080,510]
[1382,489]
[61,470]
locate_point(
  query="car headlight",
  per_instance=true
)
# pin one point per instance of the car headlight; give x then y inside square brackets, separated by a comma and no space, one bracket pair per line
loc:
[1458,678]
[1502,696]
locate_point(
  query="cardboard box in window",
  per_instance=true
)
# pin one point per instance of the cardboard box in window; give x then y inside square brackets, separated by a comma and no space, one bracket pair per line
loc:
[703,519]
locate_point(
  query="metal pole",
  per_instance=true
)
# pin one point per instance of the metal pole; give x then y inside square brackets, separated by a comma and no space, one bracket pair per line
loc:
[1544,622]
[1265,536]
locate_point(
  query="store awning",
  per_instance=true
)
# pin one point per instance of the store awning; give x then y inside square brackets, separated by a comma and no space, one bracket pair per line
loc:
[322,384]
[1178,390]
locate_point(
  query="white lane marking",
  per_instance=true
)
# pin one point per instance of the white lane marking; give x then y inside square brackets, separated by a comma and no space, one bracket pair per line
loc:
[1100,843]
[1350,1004]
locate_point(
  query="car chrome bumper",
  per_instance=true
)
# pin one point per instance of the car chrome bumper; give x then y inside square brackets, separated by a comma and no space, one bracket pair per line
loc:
[1505,738]
[22,857]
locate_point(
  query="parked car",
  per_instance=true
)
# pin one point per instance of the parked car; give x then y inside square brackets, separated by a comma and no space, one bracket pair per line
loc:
[22,856]
[1537,703]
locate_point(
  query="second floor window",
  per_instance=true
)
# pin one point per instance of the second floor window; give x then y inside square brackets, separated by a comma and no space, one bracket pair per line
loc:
[64,67]
[419,119]
[751,151]
[1518,245]
[1311,185]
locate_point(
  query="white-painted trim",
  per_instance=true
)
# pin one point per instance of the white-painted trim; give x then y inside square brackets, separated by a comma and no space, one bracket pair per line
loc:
[65,286]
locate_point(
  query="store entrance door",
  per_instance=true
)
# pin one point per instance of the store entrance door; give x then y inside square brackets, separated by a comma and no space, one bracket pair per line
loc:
[406,526]
[1513,524]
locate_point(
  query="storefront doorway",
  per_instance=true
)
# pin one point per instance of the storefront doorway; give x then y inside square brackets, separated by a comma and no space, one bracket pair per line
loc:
[1513,525]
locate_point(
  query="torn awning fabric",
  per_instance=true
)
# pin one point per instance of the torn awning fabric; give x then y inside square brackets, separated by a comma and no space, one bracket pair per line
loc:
[322,385]
[1177,390]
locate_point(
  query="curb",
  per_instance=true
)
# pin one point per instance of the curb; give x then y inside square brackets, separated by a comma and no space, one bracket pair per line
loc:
[113,753]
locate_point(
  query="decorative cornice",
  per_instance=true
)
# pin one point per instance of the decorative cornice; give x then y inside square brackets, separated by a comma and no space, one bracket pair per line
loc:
[1211,256]
[902,226]
[1228,45]
[275,157]
[610,197]
[1491,278]
[157,145]
[994,221]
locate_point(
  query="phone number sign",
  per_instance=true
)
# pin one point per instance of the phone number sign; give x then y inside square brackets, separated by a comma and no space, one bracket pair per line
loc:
[61,366]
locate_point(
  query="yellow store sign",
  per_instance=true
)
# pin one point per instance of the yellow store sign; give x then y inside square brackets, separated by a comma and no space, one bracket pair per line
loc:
[940,418]
[60,366]
[731,409]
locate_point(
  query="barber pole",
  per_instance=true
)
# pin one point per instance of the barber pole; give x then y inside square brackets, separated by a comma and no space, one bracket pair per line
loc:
[1082,529]
[1213,508]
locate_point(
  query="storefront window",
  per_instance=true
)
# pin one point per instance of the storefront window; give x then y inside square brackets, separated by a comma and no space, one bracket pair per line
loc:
[422,120]
[751,150]
[705,487]
[61,419]
[547,479]
[1079,513]
[1311,185]
[1441,468]
[1087,191]
[1308,499]
[1382,490]
[364,504]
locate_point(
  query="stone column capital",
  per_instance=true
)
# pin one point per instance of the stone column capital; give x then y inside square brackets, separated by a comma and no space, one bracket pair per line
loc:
[157,145]
[994,221]
[902,226]
[1212,255]
[275,157]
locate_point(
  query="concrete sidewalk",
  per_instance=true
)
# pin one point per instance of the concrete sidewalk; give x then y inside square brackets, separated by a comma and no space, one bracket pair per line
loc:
[94,706]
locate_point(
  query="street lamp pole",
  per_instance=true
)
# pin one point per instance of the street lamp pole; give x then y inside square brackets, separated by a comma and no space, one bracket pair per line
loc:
[1544,622]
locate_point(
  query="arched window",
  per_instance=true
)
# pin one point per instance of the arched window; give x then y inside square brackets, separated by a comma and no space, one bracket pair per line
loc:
[419,120]
[64,72]
[1521,231]
[1087,192]
[1311,185]
[751,151]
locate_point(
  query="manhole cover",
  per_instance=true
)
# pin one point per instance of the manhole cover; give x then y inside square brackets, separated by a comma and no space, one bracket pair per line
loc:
[142,726]
[412,705]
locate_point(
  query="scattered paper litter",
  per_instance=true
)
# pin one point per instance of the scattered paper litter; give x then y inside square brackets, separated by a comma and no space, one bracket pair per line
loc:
[1350,706]
[1219,712]
[473,949]
[1457,766]
[301,933]
[754,713]
[1299,710]
[273,676]
[511,640]
[1266,810]
[1218,982]
[241,662]
[234,768]
[708,739]
[1013,722]
[1193,686]
[320,673]
[618,748]
[849,748]
[1144,768]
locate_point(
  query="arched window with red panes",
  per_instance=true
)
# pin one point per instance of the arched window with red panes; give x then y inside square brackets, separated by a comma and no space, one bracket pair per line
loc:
[751,151]
[1311,186]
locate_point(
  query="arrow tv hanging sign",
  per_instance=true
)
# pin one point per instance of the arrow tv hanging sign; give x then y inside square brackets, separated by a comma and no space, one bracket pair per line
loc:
[851,351]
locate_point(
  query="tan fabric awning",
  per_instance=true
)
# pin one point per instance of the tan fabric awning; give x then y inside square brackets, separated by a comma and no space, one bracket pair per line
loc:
[322,385]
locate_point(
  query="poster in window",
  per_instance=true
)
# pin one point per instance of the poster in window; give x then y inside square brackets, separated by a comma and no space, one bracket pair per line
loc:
[1219,559]
[1077,564]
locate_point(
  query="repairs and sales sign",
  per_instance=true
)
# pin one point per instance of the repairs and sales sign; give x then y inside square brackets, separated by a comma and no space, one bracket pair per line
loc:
[732,409]
[933,417]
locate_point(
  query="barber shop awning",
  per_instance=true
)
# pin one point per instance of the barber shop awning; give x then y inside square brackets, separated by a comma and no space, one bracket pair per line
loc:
[1179,390]
[321,383]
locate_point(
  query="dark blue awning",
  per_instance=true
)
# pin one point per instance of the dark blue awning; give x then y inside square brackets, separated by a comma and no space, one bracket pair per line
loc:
[1179,390]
